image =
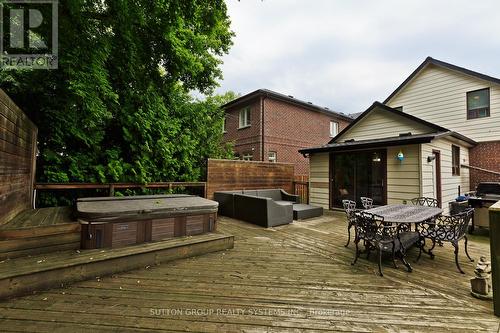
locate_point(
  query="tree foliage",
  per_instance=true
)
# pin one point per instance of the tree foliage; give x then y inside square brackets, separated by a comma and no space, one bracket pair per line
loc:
[118,107]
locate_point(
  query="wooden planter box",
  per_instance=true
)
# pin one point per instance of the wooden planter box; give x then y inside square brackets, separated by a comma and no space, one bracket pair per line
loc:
[117,222]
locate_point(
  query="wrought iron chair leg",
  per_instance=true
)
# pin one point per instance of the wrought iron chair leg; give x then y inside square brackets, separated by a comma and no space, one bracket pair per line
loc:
[467,252]
[432,248]
[356,241]
[380,262]
[394,255]
[420,247]
[406,263]
[348,236]
[455,245]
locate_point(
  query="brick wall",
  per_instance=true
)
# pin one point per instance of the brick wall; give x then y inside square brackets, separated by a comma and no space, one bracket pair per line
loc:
[485,155]
[288,128]
[246,139]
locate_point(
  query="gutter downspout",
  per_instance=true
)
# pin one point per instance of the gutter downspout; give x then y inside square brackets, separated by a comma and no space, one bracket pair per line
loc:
[262,126]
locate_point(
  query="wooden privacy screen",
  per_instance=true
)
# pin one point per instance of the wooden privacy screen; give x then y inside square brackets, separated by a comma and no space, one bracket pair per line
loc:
[17,159]
[227,175]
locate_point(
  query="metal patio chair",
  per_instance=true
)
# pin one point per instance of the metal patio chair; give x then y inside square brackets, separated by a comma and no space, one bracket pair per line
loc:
[367,202]
[425,201]
[350,209]
[380,236]
[450,229]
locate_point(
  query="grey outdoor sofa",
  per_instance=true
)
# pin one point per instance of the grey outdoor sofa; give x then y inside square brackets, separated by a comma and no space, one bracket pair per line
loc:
[267,208]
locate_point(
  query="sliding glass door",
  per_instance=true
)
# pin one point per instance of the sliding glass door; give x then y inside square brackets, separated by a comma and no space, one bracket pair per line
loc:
[358,174]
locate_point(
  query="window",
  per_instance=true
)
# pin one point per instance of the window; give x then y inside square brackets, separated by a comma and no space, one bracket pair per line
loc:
[247,156]
[455,160]
[334,128]
[224,125]
[245,118]
[478,103]
[272,157]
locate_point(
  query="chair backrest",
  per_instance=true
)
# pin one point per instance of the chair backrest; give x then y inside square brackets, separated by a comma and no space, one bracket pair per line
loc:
[425,201]
[350,209]
[349,205]
[453,228]
[372,227]
[367,202]
[465,219]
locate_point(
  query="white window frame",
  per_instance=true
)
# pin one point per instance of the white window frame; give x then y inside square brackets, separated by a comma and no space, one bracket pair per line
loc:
[247,156]
[244,118]
[334,128]
[272,156]
[224,125]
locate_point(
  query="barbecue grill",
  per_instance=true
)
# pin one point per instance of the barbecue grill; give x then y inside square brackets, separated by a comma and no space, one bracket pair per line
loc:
[486,195]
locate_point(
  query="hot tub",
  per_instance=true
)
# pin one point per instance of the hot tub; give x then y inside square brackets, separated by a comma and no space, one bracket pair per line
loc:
[121,221]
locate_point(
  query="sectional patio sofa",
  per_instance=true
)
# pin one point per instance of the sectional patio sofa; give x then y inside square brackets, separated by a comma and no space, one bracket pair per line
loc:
[266,208]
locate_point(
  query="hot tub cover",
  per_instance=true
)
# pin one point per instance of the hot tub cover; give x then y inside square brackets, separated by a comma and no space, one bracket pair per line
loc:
[109,209]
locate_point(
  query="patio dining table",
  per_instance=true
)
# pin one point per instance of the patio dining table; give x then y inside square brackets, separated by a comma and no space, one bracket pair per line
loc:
[406,213]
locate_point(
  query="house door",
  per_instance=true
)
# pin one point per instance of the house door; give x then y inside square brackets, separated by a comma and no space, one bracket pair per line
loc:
[436,176]
[358,174]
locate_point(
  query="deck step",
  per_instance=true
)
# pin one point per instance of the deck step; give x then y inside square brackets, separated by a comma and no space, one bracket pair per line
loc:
[37,231]
[27,274]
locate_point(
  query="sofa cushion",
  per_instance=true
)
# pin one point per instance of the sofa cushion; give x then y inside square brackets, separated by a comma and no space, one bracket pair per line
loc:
[250,192]
[283,203]
[272,194]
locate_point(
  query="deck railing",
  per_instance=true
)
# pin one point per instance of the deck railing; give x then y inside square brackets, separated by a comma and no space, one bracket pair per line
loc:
[111,187]
[302,190]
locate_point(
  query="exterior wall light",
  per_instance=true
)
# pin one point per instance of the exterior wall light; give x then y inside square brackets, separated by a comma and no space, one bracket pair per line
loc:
[400,156]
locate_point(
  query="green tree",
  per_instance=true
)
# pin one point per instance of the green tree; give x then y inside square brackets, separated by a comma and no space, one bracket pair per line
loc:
[118,107]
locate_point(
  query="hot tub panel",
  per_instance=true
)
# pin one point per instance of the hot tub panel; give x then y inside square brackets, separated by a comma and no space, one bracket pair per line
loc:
[104,230]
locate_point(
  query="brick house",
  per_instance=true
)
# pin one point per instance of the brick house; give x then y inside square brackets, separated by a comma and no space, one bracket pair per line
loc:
[435,135]
[268,126]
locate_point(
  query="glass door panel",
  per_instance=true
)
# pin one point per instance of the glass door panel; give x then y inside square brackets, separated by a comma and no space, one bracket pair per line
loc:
[359,174]
[343,178]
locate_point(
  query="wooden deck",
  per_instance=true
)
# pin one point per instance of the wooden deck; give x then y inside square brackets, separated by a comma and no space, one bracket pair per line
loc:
[36,231]
[289,279]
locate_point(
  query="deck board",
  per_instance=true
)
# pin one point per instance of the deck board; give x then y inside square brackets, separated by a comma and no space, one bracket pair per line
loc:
[293,278]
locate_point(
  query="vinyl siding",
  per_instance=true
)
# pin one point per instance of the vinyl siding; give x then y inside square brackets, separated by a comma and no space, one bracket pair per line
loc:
[382,124]
[438,95]
[403,177]
[449,183]
[319,193]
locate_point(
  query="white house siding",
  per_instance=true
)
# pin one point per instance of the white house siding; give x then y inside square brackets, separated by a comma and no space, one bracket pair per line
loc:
[319,180]
[449,183]
[438,95]
[382,124]
[403,177]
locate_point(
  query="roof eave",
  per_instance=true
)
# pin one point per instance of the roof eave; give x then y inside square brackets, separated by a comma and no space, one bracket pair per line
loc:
[439,63]
[393,111]
[281,97]
[458,136]
[367,145]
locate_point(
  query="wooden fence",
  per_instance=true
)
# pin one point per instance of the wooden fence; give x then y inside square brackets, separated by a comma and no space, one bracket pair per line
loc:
[302,190]
[17,159]
[226,175]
